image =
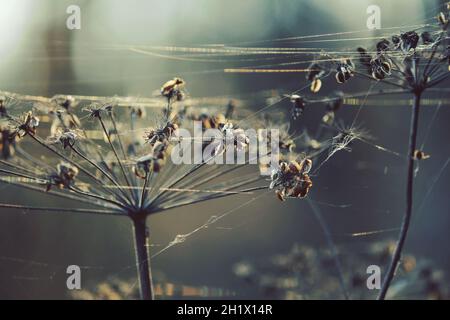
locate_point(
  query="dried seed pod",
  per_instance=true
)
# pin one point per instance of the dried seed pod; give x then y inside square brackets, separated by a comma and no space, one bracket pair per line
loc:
[172,88]
[409,40]
[316,85]
[344,71]
[420,155]
[291,179]
[442,19]
[63,177]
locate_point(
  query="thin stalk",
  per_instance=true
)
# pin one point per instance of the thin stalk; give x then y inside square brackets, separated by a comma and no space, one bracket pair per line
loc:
[76,210]
[409,197]
[89,174]
[98,197]
[141,242]
[216,196]
[114,150]
[59,194]
[22,175]
[110,178]
[122,148]
[144,189]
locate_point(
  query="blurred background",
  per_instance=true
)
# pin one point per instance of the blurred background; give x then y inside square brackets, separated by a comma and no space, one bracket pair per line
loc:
[40,56]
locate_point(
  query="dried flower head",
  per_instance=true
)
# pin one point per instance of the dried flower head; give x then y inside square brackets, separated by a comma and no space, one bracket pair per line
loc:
[153,161]
[161,134]
[95,110]
[25,124]
[344,71]
[291,179]
[173,89]
[66,138]
[63,177]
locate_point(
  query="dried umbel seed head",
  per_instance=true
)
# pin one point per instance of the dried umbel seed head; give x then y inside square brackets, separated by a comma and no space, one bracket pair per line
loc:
[173,89]
[66,138]
[344,71]
[381,67]
[152,161]
[143,165]
[162,134]
[298,106]
[95,110]
[26,124]
[291,179]
[409,40]
[63,177]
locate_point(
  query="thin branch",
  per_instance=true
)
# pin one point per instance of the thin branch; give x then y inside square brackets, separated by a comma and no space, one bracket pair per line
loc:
[33,208]
[409,198]
[114,150]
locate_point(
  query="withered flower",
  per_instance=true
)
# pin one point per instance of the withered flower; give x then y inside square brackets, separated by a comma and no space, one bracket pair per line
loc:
[173,89]
[314,75]
[66,138]
[344,71]
[63,177]
[151,162]
[26,124]
[408,41]
[161,134]
[95,109]
[291,179]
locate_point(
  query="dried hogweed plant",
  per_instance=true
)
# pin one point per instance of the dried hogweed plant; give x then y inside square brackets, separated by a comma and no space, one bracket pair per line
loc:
[109,159]
[117,162]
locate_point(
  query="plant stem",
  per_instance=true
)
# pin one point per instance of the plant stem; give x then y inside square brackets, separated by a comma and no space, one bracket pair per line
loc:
[141,241]
[409,197]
